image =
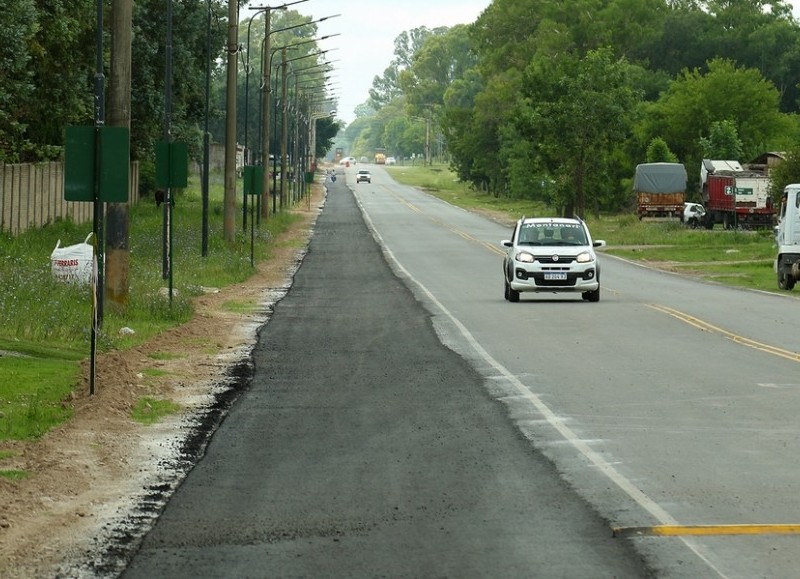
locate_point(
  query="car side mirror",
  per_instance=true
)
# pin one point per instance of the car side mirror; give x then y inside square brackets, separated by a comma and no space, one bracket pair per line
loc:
[506,243]
[598,243]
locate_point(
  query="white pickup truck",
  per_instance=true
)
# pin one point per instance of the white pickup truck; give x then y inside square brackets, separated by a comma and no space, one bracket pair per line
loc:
[787,237]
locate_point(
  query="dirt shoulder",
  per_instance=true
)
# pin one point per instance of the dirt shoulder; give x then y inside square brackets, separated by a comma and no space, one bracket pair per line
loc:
[89,472]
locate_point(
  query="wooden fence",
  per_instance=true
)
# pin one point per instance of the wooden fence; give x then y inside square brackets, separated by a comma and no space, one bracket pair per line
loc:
[32,195]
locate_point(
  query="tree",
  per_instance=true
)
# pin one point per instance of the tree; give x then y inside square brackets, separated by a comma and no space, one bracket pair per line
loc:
[327,129]
[573,112]
[658,152]
[387,87]
[722,142]
[785,173]
[697,100]
[16,82]
[47,63]
[445,57]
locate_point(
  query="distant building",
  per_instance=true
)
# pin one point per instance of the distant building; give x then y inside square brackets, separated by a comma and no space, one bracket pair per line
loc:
[765,162]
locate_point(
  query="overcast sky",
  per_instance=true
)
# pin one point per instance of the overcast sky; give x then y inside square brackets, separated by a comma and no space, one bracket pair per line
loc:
[367,31]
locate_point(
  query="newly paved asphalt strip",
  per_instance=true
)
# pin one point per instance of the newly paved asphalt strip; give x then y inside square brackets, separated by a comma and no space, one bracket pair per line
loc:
[365,448]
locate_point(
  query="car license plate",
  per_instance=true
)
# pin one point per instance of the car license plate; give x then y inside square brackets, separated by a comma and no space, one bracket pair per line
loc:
[558,276]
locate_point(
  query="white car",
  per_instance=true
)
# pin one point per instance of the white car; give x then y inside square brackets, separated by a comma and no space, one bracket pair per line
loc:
[363,175]
[551,254]
[391,160]
[693,214]
[348,161]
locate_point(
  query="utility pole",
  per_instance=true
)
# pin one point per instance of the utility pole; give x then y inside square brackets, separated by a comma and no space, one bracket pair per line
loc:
[266,73]
[119,115]
[284,126]
[229,213]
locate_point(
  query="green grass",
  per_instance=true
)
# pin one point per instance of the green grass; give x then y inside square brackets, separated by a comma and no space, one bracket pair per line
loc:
[149,410]
[45,325]
[737,258]
[33,394]
[442,183]
[11,474]
[240,306]
[14,474]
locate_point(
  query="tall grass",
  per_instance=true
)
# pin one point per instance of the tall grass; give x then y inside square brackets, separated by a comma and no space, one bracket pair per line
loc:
[45,325]
[34,307]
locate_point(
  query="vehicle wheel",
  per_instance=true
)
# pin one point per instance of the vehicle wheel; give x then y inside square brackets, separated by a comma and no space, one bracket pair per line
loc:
[593,296]
[511,295]
[694,223]
[727,222]
[785,281]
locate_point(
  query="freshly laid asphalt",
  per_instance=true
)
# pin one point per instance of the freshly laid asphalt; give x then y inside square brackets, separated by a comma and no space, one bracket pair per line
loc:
[366,448]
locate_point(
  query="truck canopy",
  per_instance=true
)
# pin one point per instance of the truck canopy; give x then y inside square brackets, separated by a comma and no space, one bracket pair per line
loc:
[660,178]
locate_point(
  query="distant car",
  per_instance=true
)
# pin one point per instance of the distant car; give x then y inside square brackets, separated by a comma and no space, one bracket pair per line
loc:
[693,214]
[551,254]
[391,160]
[348,161]
[363,175]
[364,160]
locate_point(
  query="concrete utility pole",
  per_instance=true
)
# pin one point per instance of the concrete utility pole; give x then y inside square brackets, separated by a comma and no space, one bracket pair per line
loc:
[229,214]
[119,115]
[285,126]
[265,110]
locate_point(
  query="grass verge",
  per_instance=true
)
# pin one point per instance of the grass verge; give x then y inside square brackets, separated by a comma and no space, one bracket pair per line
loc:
[45,325]
[732,257]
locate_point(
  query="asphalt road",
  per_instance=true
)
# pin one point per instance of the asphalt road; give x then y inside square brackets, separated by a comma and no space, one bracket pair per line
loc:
[671,405]
[365,447]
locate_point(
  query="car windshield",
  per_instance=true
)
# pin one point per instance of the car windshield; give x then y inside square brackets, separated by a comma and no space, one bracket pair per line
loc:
[545,234]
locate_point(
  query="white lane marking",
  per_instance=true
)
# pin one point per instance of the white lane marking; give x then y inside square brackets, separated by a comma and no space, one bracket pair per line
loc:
[636,494]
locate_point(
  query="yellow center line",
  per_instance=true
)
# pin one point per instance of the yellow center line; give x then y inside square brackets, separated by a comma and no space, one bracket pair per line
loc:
[706,327]
[458,232]
[706,530]
[676,530]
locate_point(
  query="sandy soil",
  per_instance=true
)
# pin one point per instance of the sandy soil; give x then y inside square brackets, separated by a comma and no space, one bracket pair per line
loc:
[101,468]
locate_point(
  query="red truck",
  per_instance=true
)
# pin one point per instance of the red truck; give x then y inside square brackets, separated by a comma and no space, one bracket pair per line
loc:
[737,199]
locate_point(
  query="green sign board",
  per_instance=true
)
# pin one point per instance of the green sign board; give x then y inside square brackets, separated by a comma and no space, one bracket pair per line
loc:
[85,147]
[253,179]
[172,165]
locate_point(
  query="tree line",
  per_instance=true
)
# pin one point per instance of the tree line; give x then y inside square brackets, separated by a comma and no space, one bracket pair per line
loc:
[48,62]
[559,100]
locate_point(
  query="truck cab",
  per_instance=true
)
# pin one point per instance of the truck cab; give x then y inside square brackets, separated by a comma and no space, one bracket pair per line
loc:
[787,237]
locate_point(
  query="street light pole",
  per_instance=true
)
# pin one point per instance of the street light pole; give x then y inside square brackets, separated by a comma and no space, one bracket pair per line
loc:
[285,124]
[265,110]
[206,146]
[247,70]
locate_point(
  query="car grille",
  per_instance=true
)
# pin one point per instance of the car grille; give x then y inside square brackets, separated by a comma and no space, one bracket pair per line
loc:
[562,259]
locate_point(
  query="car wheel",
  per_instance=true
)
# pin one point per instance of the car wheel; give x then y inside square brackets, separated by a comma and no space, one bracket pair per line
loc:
[511,294]
[593,296]
[785,281]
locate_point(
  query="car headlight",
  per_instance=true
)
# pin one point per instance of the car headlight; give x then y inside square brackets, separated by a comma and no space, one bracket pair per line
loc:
[585,257]
[525,257]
